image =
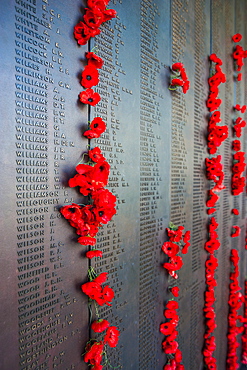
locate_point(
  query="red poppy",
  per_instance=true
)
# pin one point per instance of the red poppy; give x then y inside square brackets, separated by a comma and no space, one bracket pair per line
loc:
[86,240]
[91,289]
[213,199]
[94,353]
[96,155]
[175,235]
[215,59]
[211,263]
[178,357]
[101,278]
[104,215]
[169,248]
[236,231]
[100,325]
[82,33]
[175,263]
[175,291]
[239,77]
[103,198]
[236,145]
[170,347]
[211,211]
[172,305]
[212,245]
[89,97]
[177,66]
[94,18]
[177,82]
[186,86]
[89,77]
[97,127]
[94,253]
[167,328]
[94,60]
[99,175]
[112,336]
[101,4]
[108,295]
[185,248]
[72,212]
[109,14]
[237,37]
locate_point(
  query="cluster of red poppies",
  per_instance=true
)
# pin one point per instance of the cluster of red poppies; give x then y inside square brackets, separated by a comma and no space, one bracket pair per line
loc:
[239,54]
[216,134]
[244,336]
[180,79]
[102,296]
[95,14]
[209,312]
[170,345]
[90,78]
[172,248]
[214,171]
[177,240]
[95,349]
[91,178]
[235,303]
[238,181]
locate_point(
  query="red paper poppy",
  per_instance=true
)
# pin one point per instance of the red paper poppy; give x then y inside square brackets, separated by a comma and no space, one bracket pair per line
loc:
[89,76]
[171,249]
[94,18]
[172,305]
[177,66]
[236,231]
[175,291]
[175,263]
[83,33]
[177,82]
[94,253]
[93,60]
[96,155]
[236,145]
[167,328]
[108,295]
[101,4]
[239,77]
[97,127]
[99,175]
[112,336]
[103,198]
[170,347]
[89,97]
[237,37]
[101,278]
[94,353]
[235,211]
[211,211]
[215,59]
[186,86]
[100,325]
[86,240]
[109,14]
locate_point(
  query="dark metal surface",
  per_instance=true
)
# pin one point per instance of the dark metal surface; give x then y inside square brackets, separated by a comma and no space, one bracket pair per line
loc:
[155,144]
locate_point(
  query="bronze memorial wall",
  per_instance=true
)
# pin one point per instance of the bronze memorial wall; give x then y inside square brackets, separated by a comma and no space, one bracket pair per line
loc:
[156,145]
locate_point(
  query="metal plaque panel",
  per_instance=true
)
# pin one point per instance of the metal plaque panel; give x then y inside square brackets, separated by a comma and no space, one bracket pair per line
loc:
[155,143]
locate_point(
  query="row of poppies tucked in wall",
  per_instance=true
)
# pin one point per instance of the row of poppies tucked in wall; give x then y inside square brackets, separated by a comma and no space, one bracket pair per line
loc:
[91,179]
[214,172]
